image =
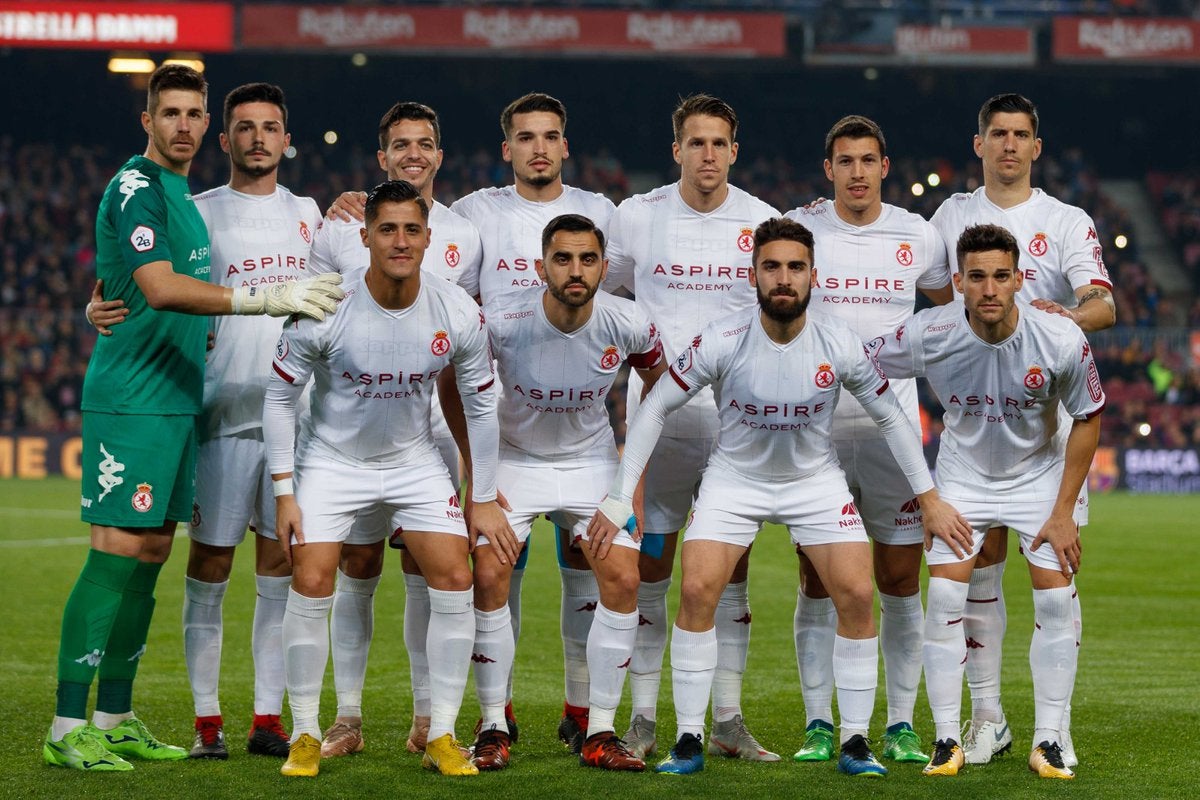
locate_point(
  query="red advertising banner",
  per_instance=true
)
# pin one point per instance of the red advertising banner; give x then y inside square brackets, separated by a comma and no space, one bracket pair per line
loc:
[1150,40]
[941,45]
[471,31]
[205,27]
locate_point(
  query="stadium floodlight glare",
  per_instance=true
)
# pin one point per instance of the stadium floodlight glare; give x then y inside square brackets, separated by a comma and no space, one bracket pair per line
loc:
[1144,429]
[917,189]
[331,137]
[130,65]
[193,60]
[359,59]
[1121,241]
[933,179]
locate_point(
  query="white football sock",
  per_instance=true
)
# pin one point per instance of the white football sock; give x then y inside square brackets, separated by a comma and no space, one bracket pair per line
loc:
[984,621]
[451,638]
[580,596]
[856,675]
[514,610]
[943,652]
[416,631]
[202,628]
[266,643]
[1053,659]
[901,629]
[609,652]
[305,653]
[733,647]
[645,668]
[814,627]
[1077,613]
[492,659]
[351,629]
[693,662]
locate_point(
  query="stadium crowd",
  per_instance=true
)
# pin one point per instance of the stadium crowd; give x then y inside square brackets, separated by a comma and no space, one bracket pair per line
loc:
[48,197]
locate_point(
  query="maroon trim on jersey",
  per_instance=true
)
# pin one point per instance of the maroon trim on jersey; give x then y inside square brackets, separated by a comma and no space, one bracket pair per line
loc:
[647,360]
[1098,410]
[682,384]
[281,373]
[881,389]
[1098,282]
[486,386]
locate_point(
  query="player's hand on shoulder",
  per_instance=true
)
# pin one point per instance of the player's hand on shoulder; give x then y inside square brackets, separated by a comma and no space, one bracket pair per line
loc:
[943,521]
[1052,307]
[103,314]
[349,207]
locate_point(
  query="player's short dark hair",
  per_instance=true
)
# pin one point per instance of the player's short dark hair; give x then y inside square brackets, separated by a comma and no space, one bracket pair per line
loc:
[1009,103]
[703,105]
[528,104]
[854,127]
[174,76]
[983,239]
[393,192]
[407,109]
[571,223]
[254,93]
[782,228]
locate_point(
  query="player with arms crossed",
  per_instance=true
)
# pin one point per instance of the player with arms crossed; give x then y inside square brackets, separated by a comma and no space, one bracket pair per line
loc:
[141,398]
[874,259]
[510,220]
[1002,368]
[261,234]
[368,443]
[684,251]
[1063,272]
[410,149]
[776,374]
[558,353]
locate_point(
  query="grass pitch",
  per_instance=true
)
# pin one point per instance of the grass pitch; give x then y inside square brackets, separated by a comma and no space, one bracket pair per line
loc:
[1136,708]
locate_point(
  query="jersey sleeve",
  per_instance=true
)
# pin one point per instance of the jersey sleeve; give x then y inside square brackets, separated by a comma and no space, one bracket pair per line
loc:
[465,207]
[1080,391]
[321,257]
[296,352]
[140,220]
[697,366]
[472,361]
[1082,256]
[620,250]
[861,376]
[645,346]
[937,271]
[898,354]
[946,222]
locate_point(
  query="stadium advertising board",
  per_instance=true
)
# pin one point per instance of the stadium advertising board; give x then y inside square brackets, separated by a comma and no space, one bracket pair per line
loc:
[1148,40]
[475,31]
[928,44]
[204,27]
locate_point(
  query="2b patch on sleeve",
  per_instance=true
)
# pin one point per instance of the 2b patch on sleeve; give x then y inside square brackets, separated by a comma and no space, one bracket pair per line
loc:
[142,239]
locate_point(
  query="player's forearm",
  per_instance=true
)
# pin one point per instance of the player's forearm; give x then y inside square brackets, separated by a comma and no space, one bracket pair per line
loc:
[452,410]
[483,436]
[902,440]
[1096,310]
[1081,449]
[279,426]
[644,430]
[167,290]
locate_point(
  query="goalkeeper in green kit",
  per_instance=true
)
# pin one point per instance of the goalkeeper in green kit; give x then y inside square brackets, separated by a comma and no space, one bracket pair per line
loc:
[141,396]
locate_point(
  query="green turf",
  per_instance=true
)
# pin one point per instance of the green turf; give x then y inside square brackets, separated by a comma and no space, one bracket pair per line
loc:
[1136,710]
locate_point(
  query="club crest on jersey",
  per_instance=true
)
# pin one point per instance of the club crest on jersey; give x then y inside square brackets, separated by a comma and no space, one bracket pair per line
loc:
[142,239]
[745,240]
[143,500]
[440,344]
[1038,245]
[304,232]
[1034,379]
[281,349]
[824,376]
[452,255]
[904,255]
[196,515]
[610,360]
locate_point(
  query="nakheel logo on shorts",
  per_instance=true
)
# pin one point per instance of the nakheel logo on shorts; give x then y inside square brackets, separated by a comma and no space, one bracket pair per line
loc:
[1038,245]
[610,360]
[904,255]
[452,255]
[850,517]
[824,378]
[1034,379]
[913,509]
[143,500]
[745,240]
[305,234]
[440,344]
[454,509]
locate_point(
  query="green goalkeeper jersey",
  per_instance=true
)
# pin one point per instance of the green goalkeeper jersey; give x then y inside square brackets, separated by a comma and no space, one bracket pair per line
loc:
[153,363]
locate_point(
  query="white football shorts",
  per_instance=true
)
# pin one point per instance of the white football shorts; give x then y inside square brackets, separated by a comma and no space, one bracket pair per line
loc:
[881,492]
[672,479]
[1026,518]
[233,492]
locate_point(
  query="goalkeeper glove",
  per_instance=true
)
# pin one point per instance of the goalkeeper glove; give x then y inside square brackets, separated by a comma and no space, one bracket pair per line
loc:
[313,297]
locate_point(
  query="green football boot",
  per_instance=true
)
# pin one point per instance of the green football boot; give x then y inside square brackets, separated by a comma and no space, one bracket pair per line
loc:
[901,743]
[80,749]
[131,739]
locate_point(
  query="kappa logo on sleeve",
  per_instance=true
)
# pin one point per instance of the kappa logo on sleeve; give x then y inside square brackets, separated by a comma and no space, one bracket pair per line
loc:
[130,181]
[142,239]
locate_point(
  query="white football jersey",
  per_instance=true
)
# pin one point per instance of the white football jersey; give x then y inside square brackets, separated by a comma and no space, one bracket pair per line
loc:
[1060,251]
[510,228]
[374,371]
[257,240]
[454,247]
[868,277]
[685,268]
[776,402]
[552,409]
[1001,400]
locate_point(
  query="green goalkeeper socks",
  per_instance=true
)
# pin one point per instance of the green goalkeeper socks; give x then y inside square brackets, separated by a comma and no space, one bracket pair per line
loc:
[127,642]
